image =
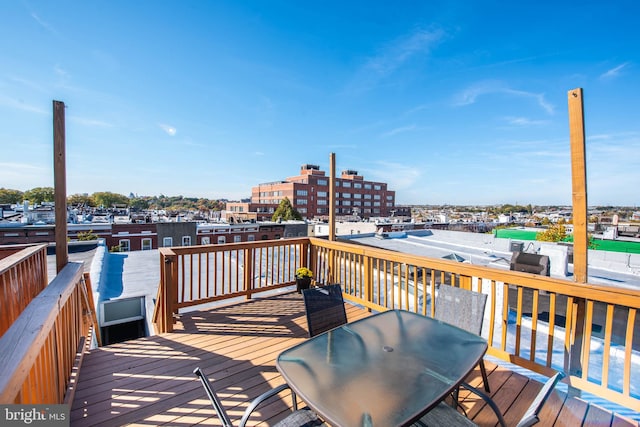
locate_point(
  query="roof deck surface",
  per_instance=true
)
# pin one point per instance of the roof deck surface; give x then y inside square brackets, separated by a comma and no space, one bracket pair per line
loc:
[149,381]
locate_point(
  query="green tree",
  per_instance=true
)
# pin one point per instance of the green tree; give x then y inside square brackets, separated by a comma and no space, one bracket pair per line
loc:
[108,199]
[285,211]
[555,233]
[87,235]
[80,199]
[139,203]
[8,195]
[39,194]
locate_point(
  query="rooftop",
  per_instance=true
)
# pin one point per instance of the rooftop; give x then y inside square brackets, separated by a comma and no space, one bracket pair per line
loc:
[149,381]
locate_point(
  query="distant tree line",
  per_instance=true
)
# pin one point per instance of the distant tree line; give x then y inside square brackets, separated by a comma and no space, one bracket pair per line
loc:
[106,199]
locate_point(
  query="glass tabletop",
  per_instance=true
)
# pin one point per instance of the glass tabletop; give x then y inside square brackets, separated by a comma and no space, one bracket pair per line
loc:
[384,370]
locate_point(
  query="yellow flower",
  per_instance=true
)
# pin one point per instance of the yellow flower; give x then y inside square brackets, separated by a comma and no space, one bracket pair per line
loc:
[303,273]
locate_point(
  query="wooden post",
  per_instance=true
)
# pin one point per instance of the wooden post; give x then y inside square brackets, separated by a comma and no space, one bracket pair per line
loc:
[579,185]
[60,185]
[332,197]
[332,214]
[580,236]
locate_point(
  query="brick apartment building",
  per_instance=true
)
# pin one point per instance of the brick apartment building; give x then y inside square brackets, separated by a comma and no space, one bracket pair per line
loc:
[309,195]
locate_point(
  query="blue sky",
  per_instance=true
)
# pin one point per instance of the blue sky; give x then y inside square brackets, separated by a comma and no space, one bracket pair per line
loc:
[459,102]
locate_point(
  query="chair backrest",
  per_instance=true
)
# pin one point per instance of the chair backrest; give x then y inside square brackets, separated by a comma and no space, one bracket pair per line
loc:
[461,308]
[215,400]
[325,308]
[531,416]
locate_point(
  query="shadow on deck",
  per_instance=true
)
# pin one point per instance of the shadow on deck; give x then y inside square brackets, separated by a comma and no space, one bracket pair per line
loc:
[149,381]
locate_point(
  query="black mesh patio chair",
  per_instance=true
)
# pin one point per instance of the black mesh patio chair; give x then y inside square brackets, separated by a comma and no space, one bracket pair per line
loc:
[325,308]
[447,416]
[298,418]
[464,309]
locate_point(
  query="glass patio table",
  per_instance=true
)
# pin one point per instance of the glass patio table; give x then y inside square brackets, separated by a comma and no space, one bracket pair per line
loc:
[385,370]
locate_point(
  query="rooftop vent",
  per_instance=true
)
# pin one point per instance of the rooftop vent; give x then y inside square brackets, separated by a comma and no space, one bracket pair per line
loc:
[310,167]
[350,172]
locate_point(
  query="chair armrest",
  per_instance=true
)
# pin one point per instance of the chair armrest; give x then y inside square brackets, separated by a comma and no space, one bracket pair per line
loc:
[487,400]
[264,396]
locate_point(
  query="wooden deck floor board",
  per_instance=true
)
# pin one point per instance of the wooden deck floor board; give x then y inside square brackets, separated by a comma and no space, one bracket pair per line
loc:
[149,381]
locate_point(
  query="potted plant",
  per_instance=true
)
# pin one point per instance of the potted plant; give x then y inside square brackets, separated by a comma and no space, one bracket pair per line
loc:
[303,278]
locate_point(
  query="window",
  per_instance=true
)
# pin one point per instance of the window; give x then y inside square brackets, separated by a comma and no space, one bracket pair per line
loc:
[222,240]
[346,203]
[206,240]
[357,203]
[346,184]
[357,185]
[367,186]
[301,201]
[322,202]
[301,192]
[376,203]
[377,211]
[167,242]
[367,203]
[147,244]
[376,197]
[389,197]
[322,194]
[367,196]
[346,195]
[125,245]
[377,187]
[186,240]
[302,210]
[389,205]
[251,238]
[265,237]
[323,182]
[357,196]
[237,239]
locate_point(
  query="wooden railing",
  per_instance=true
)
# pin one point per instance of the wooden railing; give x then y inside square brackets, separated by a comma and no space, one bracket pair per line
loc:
[23,274]
[544,324]
[41,351]
[203,274]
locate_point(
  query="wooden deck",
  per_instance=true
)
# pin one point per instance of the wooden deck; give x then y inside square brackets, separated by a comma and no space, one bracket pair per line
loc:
[149,381]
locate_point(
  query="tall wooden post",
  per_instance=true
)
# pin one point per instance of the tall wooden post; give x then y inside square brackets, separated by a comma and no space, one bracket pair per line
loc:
[579,185]
[60,185]
[580,237]
[332,196]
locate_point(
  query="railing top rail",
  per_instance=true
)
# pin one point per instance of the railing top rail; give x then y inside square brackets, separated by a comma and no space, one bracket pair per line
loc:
[24,252]
[181,250]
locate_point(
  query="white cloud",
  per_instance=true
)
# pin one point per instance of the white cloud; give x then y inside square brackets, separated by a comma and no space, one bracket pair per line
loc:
[471,94]
[393,56]
[21,105]
[524,122]
[44,24]
[90,122]
[396,131]
[170,130]
[28,175]
[398,176]
[614,72]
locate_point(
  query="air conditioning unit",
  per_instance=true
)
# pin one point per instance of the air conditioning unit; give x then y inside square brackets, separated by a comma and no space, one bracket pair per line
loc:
[516,246]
